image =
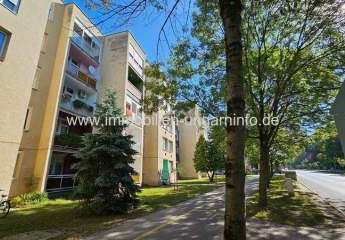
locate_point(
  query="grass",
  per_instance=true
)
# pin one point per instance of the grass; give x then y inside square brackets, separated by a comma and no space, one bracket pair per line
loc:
[66,215]
[297,210]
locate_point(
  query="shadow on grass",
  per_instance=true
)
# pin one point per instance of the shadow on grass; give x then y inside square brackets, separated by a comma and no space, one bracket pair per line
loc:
[68,217]
[296,210]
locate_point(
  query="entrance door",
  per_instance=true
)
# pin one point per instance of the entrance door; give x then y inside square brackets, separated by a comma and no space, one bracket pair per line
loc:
[165,171]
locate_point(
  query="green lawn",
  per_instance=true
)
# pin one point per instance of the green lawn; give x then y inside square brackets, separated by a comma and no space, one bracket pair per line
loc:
[68,217]
[297,210]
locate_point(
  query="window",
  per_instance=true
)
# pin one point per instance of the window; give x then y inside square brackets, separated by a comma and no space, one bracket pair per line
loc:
[171,146]
[62,127]
[36,78]
[4,40]
[165,144]
[128,109]
[134,108]
[77,29]
[87,39]
[12,5]
[44,43]
[51,13]
[18,164]
[27,119]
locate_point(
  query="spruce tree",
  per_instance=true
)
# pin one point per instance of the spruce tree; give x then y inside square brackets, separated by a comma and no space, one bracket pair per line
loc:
[104,172]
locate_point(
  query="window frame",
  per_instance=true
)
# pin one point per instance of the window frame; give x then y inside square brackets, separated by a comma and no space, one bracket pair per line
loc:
[4,48]
[27,121]
[14,11]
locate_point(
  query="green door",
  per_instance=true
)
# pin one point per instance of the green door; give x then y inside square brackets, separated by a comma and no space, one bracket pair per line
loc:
[165,172]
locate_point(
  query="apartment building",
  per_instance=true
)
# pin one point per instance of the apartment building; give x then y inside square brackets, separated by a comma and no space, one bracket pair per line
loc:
[159,149]
[123,71]
[21,36]
[74,67]
[188,133]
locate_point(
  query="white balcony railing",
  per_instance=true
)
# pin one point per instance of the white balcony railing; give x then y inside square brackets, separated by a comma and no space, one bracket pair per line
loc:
[136,66]
[92,52]
[133,90]
[59,183]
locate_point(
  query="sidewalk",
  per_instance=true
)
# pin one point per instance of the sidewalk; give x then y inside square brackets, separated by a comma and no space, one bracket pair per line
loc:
[203,218]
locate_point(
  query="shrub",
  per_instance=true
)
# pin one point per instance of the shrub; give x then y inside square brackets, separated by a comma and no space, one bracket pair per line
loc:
[30,198]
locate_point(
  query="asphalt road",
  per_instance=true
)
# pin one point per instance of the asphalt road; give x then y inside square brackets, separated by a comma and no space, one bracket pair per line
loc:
[199,218]
[329,186]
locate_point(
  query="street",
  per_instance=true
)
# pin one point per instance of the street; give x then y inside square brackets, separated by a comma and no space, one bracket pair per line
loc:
[329,186]
[199,218]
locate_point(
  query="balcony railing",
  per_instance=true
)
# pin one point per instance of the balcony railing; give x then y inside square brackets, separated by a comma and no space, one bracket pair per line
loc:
[92,52]
[133,90]
[77,106]
[75,72]
[59,183]
[136,66]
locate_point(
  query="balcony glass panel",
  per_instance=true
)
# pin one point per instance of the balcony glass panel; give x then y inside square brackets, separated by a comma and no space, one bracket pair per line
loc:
[86,43]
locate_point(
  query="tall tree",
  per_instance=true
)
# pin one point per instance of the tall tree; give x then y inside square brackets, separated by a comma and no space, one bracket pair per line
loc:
[230,13]
[292,67]
[235,221]
[104,172]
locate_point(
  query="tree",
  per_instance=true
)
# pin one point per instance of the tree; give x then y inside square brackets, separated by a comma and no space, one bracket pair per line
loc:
[104,172]
[230,13]
[292,68]
[208,157]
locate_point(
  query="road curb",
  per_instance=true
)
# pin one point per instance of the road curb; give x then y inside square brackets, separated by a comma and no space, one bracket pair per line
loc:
[330,204]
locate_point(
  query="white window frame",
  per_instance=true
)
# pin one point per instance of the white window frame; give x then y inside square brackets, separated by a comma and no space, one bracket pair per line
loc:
[16,3]
[37,78]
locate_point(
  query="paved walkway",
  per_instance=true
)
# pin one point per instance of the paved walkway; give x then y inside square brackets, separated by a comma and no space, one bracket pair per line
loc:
[199,218]
[202,218]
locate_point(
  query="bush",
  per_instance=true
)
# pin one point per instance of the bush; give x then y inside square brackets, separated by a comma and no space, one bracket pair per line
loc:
[30,198]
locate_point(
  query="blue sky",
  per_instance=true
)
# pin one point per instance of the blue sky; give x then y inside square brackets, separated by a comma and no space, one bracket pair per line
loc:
[145,29]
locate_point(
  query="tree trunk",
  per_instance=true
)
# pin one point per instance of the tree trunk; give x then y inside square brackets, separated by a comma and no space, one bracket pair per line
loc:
[210,176]
[235,222]
[264,174]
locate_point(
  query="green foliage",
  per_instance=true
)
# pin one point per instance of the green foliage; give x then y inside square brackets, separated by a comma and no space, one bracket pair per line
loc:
[69,139]
[104,172]
[28,199]
[323,152]
[208,157]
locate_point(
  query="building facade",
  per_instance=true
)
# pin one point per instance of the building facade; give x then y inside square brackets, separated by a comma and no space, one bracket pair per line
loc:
[20,50]
[188,133]
[159,149]
[67,69]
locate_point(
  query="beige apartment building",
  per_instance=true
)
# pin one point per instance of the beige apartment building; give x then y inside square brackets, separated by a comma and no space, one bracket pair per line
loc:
[20,44]
[123,71]
[159,149]
[188,133]
[65,71]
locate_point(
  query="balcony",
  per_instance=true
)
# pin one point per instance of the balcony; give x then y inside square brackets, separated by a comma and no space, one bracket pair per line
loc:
[75,72]
[60,183]
[134,91]
[76,105]
[71,140]
[89,47]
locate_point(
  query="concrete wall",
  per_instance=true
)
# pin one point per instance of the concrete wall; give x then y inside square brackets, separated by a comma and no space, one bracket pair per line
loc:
[17,74]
